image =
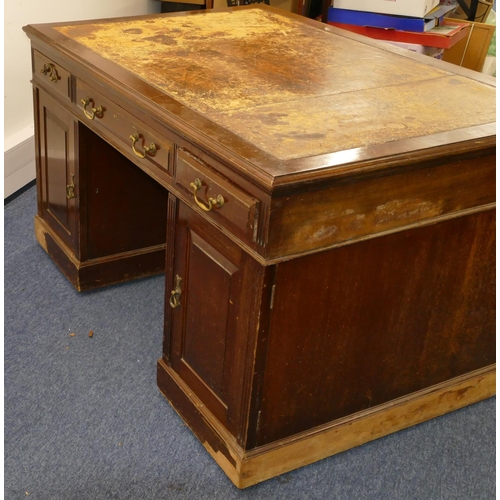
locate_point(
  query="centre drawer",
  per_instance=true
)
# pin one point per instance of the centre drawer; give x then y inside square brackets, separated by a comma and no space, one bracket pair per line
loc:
[216,196]
[152,150]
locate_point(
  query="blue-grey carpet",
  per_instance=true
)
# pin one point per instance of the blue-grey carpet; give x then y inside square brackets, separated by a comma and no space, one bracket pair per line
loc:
[84,419]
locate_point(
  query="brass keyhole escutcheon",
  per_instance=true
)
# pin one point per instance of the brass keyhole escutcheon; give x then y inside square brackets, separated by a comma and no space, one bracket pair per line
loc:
[70,188]
[175,294]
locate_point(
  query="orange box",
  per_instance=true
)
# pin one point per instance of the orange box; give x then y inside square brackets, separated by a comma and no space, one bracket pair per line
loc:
[471,51]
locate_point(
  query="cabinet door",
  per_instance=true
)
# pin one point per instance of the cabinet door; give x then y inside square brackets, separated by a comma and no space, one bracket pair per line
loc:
[213,321]
[57,168]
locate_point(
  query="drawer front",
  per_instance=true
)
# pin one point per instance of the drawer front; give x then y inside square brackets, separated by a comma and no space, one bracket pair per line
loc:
[218,198]
[52,75]
[150,148]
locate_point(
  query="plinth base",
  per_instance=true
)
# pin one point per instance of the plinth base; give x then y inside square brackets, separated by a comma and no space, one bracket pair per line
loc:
[246,468]
[94,273]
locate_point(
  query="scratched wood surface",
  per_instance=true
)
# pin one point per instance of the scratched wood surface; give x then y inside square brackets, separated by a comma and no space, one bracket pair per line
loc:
[291,89]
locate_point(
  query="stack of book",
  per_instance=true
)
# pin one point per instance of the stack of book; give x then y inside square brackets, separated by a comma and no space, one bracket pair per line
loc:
[420,22]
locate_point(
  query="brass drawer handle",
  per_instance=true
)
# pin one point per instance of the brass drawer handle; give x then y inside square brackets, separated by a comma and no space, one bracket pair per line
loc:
[175,294]
[50,69]
[99,111]
[217,202]
[70,188]
[151,150]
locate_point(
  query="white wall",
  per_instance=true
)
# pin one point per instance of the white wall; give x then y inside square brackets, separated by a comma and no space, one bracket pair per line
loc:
[18,106]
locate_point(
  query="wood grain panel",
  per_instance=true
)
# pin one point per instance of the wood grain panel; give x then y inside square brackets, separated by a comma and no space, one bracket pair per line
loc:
[354,209]
[205,354]
[58,168]
[125,209]
[211,328]
[377,320]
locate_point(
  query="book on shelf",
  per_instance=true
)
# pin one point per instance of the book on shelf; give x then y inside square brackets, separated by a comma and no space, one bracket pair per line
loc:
[443,36]
[410,8]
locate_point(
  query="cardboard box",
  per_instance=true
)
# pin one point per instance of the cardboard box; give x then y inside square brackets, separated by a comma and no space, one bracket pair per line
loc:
[471,51]
[388,21]
[483,9]
[444,36]
[411,8]
[433,52]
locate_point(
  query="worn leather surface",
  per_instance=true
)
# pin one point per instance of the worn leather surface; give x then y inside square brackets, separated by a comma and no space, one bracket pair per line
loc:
[290,88]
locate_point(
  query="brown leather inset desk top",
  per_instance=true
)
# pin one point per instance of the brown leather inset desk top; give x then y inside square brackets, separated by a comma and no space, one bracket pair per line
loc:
[291,89]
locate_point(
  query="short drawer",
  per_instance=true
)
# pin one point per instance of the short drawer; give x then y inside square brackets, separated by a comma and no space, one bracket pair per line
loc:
[52,75]
[216,196]
[149,147]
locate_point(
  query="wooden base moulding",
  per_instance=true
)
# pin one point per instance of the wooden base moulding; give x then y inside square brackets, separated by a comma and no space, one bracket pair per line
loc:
[246,468]
[103,271]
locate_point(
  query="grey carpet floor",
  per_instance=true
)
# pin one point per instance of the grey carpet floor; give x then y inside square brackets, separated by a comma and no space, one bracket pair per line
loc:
[84,419]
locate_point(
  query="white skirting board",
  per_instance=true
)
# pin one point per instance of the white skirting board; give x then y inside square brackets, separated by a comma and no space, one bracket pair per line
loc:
[19,166]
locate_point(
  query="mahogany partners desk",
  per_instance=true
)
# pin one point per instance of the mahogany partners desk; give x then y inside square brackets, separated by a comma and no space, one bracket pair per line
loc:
[327,206]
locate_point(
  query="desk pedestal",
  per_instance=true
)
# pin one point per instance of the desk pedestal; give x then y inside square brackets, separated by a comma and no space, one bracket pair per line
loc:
[277,367]
[100,218]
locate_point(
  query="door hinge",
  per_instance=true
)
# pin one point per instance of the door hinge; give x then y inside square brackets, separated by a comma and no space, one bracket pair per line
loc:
[273,290]
[258,421]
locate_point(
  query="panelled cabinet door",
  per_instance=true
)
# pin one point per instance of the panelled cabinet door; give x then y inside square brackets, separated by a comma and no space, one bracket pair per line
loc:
[57,169]
[209,321]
